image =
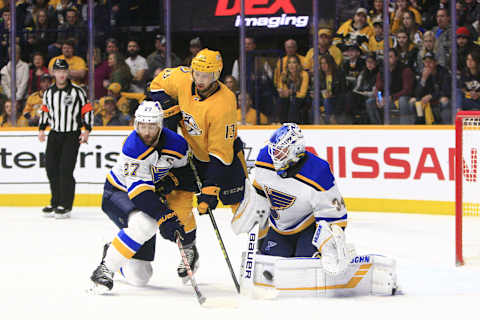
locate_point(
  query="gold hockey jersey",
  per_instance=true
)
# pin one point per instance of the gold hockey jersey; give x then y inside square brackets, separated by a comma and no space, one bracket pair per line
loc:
[209,125]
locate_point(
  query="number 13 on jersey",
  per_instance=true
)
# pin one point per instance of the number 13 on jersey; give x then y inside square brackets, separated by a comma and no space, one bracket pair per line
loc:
[230,131]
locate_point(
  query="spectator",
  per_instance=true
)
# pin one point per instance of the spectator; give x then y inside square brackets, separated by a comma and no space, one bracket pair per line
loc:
[353,66]
[157,59]
[324,47]
[259,79]
[43,32]
[21,78]
[292,89]
[376,13]
[195,47]
[61,7]
[5,40]
[428,45]
[332,86]
[6,117]
[432,95]
[250,46]
[232,84]
[375,43]
[402,6]
[37,6]
[356,29]
[31,112]
[111,46]
[409,24]
[442,32]
[37,70]
[356,99]
[407,51]
[464,47]
[470,83]
[474,28]
[471,11]
[114,91]
[120,71]
[401,89]
[251,116]
[138,67]
[281,66]
[102,73]
[110,116]
[78,67]
[73,28]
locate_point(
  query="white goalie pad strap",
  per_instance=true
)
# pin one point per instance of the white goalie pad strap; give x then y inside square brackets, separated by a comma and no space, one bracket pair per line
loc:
[252,210]
[330,241]
[364,275]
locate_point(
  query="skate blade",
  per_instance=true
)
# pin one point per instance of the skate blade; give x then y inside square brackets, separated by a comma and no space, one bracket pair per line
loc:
[98,290]
[62,216]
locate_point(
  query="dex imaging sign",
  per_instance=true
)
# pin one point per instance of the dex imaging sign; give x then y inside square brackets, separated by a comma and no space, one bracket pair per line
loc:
[269,14]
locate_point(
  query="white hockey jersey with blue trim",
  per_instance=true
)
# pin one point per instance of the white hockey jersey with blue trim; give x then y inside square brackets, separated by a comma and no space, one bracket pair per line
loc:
[296,202]
[140,166]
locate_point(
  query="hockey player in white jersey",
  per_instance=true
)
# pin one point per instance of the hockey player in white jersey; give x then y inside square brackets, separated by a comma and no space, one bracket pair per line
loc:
[149,154]
[305,216]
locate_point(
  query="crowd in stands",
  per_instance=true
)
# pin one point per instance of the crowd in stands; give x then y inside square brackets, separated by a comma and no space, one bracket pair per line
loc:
[280,88]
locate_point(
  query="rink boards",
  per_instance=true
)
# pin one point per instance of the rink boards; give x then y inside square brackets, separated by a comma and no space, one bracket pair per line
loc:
[378,168]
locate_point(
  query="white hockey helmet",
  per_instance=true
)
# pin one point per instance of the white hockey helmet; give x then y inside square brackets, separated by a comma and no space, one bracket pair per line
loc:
[149,112]
[286,147]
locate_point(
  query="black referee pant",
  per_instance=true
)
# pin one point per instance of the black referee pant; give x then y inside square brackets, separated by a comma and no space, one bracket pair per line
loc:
[61,157]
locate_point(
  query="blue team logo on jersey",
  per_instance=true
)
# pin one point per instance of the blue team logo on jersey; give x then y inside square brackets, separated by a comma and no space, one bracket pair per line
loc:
[158,173]
[279,200]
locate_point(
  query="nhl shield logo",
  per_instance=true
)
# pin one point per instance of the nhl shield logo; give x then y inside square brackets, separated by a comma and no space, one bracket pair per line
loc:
[190,125]
[68,100]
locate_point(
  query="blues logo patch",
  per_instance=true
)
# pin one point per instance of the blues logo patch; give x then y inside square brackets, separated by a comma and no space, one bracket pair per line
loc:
[158,173]
[279,200]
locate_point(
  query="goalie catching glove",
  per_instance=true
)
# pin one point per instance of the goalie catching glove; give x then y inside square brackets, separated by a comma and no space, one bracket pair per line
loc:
[330,242]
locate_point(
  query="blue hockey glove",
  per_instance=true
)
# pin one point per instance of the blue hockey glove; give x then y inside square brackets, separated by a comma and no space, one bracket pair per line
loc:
[170,227]
[207,199]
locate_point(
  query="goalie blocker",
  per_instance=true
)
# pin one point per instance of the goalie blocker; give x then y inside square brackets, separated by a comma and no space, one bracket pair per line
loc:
[364,275]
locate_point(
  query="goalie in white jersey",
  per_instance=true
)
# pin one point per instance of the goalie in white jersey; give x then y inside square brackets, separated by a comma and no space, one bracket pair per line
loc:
[301,213]
[300,190]
[149,155]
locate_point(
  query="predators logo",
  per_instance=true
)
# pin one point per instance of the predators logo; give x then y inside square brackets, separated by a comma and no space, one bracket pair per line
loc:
[190,125]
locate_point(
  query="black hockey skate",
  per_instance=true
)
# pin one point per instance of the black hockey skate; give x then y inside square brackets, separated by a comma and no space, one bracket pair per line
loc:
[192,258]
[102,277]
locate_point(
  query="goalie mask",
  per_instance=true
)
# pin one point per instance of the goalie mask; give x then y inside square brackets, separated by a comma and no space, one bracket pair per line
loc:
[286,147]
[149,121]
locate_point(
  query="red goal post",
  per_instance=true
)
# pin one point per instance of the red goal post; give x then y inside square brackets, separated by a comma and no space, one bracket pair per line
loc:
[467,183]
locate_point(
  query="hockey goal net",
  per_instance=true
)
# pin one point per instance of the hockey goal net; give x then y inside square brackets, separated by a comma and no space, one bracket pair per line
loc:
[467,187]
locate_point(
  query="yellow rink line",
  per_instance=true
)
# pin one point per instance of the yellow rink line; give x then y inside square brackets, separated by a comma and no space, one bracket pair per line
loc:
[353,204]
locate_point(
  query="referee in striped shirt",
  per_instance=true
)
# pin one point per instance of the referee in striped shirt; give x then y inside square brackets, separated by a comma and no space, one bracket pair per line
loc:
[66,110]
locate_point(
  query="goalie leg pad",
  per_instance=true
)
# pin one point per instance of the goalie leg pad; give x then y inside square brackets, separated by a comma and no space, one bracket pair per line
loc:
[252,210]
[365,275]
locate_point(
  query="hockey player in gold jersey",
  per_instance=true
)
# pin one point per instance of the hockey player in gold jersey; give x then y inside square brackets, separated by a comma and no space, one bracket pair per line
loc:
[205,109]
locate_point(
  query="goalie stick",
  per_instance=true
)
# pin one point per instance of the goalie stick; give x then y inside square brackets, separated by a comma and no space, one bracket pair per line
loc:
[201,299]
[215,227]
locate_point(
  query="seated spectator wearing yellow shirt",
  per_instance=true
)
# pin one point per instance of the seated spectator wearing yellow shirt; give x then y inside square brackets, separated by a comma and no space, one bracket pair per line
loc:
[32,109]
[290,50]
[250,114]
[122,102]
[110,116]
[78,67]
[6,117]
[292,90]
[324,47]
[356,29]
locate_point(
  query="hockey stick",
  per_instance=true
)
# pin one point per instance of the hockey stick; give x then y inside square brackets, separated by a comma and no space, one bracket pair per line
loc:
[201,299]
[215,227]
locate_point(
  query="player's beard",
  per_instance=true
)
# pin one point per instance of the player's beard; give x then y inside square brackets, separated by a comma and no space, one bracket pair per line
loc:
[209,89]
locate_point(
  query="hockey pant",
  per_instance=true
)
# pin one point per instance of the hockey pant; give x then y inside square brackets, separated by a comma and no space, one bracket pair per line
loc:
[293,245]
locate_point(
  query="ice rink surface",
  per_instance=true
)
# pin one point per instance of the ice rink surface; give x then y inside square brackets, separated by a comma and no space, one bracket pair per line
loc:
[46,264]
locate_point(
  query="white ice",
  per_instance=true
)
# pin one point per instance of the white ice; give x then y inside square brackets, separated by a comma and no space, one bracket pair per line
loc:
[45,266]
